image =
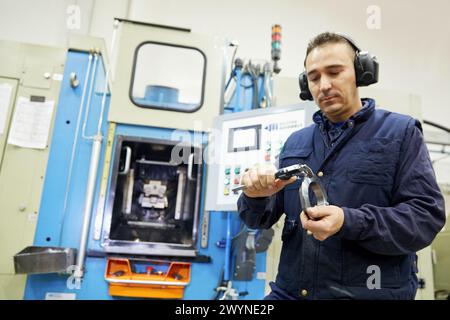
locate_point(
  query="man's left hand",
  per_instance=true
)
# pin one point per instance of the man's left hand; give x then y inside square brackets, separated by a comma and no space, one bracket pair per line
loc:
[322,221]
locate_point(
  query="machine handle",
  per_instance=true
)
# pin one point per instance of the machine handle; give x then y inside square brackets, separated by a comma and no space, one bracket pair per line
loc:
[190,167]
[148,282]
[126,169]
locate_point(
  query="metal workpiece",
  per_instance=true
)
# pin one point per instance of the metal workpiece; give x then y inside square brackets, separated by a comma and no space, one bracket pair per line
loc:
[314,184]
[310,181]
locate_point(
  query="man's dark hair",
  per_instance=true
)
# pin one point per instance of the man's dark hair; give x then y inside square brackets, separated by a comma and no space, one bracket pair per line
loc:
[324,38]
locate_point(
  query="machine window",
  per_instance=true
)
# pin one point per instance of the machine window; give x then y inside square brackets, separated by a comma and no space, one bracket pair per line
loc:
[168,77]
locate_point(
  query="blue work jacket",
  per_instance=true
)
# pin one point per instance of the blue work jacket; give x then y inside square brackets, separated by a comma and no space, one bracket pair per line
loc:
[379,172]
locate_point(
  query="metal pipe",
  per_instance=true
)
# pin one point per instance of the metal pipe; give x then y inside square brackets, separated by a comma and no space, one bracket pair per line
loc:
[102,197]
[108,71]
[226,276]
[238,106]
[254,74]
[75,143]
[267,89]
[91,16]
[93,167]
[92,177]
[88,109]
[129,4]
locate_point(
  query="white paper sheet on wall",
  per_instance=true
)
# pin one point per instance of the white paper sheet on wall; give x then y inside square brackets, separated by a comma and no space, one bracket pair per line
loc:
[5,96]
[31,123]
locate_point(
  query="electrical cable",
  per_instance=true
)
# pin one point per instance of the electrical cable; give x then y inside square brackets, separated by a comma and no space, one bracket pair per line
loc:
[219,284]
[254,75]
[234,55]
[436,125]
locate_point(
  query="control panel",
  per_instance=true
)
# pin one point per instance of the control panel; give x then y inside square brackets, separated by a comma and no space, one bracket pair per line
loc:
[243,140]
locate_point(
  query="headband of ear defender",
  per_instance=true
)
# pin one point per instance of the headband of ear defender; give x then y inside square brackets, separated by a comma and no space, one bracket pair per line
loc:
[366,70]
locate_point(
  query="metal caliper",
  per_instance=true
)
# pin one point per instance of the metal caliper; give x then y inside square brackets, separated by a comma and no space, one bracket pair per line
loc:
[310,181]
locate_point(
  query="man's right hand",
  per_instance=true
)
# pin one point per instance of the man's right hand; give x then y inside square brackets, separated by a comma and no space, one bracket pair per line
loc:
[260,181]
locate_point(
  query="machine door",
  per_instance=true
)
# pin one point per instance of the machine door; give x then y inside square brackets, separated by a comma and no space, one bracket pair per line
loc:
[153,202]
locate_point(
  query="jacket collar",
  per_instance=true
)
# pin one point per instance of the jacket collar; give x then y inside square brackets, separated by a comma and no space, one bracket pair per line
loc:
[368,107]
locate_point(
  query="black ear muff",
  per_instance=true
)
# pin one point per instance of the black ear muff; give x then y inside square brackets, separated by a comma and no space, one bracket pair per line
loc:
[305,94]
[366,65]
[366,70]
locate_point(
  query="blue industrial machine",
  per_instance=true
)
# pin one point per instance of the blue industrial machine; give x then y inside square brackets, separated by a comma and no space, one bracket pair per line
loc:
[123,209]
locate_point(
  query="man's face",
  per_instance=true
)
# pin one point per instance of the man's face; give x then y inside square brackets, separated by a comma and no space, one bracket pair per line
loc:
[331,80]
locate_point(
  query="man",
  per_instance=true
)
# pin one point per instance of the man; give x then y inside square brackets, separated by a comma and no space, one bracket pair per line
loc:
[385,203]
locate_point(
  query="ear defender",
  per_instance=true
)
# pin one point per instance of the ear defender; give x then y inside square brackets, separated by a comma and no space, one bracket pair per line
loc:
[305,94]
[366,70]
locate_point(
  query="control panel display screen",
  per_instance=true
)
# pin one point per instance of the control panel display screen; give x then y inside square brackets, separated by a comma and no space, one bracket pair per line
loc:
[244,138]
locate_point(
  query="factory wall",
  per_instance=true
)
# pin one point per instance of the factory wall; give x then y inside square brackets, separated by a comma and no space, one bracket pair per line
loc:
[410,38]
